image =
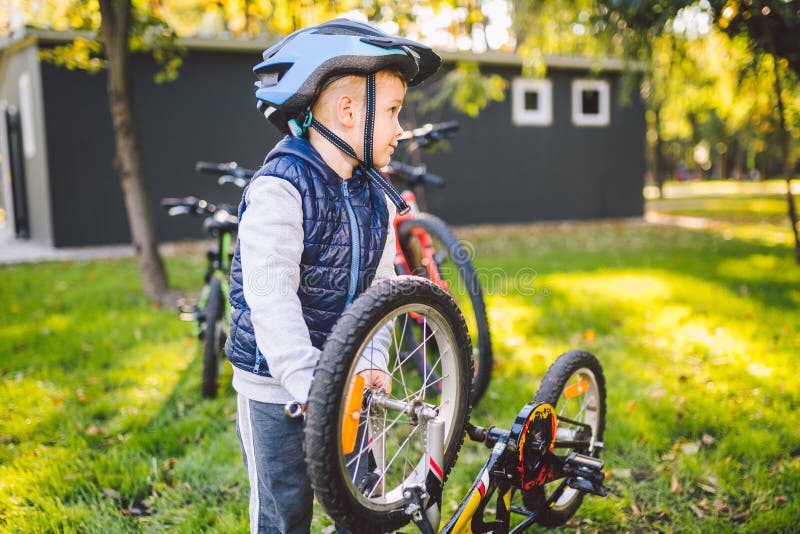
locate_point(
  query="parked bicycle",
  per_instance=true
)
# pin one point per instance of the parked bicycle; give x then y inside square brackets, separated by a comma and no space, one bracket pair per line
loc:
[427,247]
[211,311]
[378,457]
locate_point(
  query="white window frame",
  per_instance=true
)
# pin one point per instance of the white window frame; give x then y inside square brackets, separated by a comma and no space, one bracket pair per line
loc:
[603,117]
[525,117]
[26,115]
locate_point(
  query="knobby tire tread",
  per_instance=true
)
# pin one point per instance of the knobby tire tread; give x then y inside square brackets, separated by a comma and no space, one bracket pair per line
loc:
[550,388]
[213,314]
[329,386]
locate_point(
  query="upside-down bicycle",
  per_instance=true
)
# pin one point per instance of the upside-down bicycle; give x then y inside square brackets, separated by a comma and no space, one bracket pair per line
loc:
[377,459]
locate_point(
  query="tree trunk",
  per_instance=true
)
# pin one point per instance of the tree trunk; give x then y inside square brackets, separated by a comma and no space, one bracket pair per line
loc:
[738,160]
[786,163]
[115,19]
[659,167]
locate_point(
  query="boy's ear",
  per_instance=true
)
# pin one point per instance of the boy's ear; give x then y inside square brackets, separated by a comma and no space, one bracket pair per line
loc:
[345,110]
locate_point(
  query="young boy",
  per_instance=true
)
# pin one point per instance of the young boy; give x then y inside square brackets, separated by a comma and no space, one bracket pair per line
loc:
[315,230]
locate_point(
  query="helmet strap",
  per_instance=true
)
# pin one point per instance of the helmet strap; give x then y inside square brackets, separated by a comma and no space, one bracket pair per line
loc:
[367,164]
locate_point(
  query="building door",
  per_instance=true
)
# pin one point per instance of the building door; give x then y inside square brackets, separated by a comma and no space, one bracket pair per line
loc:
[14,217]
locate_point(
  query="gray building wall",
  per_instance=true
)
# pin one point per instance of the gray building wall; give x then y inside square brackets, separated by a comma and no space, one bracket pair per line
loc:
[496,172]
[14,67]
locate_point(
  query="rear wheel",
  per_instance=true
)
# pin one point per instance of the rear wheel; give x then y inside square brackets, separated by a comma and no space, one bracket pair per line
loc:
[575,386]
[365,446]
[452,269]
[212,338]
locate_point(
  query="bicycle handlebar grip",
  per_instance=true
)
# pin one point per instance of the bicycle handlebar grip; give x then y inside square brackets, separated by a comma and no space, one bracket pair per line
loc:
[446,127]
[433,179]
[170,202]
[179,210]
[213,168]
[239,182]
[220,169]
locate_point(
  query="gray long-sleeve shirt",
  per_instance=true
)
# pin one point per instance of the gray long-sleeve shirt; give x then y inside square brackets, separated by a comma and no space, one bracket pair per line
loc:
[271,244]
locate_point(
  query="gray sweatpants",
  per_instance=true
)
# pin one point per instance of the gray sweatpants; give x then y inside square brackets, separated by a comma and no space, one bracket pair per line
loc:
[281,498]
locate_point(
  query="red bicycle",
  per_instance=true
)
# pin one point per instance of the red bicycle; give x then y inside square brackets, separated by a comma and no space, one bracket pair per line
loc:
[427,247]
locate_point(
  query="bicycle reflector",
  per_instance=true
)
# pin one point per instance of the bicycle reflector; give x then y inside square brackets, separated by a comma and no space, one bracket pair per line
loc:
[576,390]
[352,414]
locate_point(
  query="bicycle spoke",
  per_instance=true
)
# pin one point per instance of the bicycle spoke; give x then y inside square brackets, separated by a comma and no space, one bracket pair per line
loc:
[381,435]
[363,438]
[388,465]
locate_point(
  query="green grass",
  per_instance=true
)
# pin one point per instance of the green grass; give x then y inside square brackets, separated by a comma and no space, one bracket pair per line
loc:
[749,210]
[698,332]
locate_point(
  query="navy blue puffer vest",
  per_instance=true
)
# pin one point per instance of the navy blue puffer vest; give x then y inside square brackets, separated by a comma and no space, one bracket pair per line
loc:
[344,227]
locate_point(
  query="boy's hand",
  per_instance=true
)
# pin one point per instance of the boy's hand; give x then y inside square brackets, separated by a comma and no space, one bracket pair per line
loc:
[377,379]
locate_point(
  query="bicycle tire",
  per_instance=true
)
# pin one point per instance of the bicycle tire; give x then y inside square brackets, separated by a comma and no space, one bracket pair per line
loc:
[572,365]
[460,256]
[212,334]
[331,478]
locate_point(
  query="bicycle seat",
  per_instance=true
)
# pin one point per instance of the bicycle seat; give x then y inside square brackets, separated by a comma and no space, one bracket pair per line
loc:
[223,221]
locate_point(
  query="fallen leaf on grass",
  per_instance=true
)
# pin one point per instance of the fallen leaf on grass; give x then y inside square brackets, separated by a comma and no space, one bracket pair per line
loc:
[670,456]
[712,481]
[95,430]
[690,448]
[780,499]
[675,485]
[635,510]
[114,494]
[707,488]
[168,464]
[718,506]
[697,511]
[621,473]
[741,515]
[136,511]
[707,439]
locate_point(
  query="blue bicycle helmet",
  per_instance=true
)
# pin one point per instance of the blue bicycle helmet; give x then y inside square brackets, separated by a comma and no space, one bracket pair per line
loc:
[295,69]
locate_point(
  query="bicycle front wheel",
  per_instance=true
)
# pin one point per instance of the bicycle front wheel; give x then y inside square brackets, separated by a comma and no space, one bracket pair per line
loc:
[365,446]
[575,386]
[433,251]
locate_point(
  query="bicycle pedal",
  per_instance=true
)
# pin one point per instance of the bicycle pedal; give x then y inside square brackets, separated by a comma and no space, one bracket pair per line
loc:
[587,486]
[585,474]
[583,461]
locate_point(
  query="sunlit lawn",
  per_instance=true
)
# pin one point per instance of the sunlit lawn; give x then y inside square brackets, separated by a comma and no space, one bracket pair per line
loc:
[103,428]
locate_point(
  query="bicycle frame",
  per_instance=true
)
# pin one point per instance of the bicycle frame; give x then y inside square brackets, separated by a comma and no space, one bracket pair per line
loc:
[218,267]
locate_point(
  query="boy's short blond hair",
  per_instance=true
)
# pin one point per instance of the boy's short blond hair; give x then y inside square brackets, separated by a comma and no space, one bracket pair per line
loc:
[352,85]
